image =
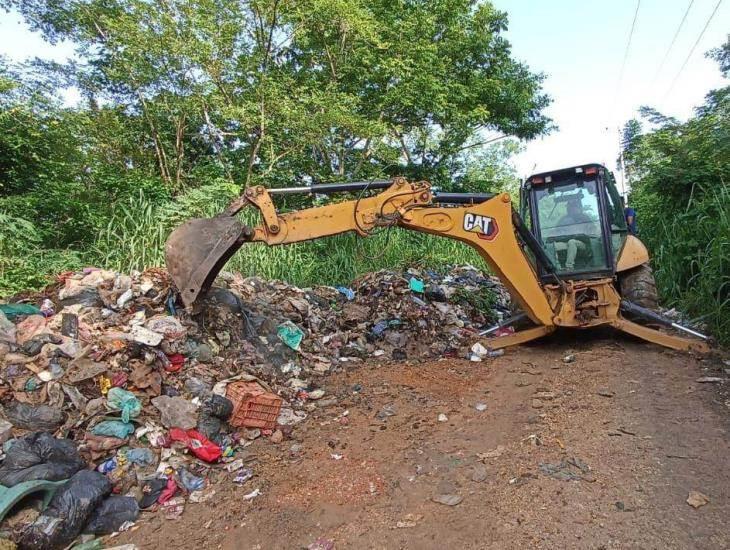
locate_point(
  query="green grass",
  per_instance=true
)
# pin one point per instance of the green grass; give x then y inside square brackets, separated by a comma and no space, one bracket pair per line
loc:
[134,239]
[691,256]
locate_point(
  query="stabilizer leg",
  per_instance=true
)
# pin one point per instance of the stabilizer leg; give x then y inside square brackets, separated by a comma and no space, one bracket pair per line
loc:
[661,338]
[519,337]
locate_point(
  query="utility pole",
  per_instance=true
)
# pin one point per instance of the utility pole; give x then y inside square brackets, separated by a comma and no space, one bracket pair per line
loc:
[622,166]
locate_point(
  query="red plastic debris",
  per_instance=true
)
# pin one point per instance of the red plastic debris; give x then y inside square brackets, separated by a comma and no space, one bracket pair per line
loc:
[176,362]
[504,331]
[199,445]
[168,492]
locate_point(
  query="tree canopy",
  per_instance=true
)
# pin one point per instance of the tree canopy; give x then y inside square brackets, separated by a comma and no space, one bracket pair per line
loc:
[286,90]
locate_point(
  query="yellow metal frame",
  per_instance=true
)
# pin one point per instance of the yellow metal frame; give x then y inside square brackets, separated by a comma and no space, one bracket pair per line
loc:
[633,254]
[488,228]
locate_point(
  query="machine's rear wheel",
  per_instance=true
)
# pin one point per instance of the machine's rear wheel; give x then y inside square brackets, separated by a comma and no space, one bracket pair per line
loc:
[638,286]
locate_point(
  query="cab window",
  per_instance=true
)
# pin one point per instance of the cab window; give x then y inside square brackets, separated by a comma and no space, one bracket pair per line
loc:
[570,225]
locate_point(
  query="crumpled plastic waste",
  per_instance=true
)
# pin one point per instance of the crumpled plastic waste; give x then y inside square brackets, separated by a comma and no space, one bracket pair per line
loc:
[151,490]
[12,311]
[124,401]
[416,285]
[141,456]
[290,334]
[113,428]
[176,412]
[198,444]
[189,481]
[168,492]
[346,292]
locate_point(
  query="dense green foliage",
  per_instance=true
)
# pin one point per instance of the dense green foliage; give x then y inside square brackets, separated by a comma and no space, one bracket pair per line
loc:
[184,103]
[680,180]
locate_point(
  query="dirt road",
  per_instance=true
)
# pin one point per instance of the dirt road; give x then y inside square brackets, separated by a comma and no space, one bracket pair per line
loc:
[597,453]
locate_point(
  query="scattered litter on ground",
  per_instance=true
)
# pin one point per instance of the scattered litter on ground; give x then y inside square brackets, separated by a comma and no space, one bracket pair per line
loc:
[109,385]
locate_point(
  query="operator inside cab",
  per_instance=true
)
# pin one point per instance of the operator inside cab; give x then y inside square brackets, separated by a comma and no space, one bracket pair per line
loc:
[570,227]
[574,222]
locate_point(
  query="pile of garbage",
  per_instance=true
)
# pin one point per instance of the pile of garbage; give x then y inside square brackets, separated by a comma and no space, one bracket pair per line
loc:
[105,370]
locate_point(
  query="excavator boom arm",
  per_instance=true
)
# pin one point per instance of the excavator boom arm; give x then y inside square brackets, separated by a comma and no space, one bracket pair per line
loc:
[486,226]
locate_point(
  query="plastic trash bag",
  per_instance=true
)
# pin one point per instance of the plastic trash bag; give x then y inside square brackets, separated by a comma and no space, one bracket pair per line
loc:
[290,334]
[198,444]
[16,310]
[40,456]
[416,285]
[213,412]
[209,425]
[124,401]
[33,417]
[141,456]
[67,513]
[112,514]
[168,492]
[346,292]
[218,406]
[189,481]
[113,428]
[151,491]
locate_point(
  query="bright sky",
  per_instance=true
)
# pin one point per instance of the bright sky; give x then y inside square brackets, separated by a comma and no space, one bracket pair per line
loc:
[580,46]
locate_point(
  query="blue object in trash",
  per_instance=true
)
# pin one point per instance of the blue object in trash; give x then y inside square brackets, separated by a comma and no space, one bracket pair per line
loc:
[346,292]
[416,285]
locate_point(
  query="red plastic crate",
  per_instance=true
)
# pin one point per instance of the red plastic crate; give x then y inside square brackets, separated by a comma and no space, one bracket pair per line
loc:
[253,407]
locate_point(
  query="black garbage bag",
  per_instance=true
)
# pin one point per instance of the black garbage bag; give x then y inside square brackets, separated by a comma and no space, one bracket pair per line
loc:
[112,514]
[33,417]
[68,512]
[151,490]
[213,412]
[34,346]
[40,456]
[218,406]
[208,425]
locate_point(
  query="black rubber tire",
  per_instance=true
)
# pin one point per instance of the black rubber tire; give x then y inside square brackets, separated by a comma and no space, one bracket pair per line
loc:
[638,286]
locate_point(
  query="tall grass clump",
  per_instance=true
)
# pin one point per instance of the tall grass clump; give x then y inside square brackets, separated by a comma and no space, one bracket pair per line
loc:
[691,255]
[135,235]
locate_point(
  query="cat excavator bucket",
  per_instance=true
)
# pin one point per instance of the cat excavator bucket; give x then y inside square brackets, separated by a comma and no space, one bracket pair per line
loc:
[198,249]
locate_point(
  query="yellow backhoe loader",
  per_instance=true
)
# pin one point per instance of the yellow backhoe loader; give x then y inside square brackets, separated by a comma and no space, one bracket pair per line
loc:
[567,260]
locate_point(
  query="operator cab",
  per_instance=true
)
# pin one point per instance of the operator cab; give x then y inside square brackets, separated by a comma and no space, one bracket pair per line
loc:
[576,214]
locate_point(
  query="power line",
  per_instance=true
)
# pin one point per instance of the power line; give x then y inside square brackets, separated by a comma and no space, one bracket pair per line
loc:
[626,57]
[707,24]
[674,39]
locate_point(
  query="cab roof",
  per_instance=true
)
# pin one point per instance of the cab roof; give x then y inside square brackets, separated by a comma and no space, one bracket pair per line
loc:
[566,173]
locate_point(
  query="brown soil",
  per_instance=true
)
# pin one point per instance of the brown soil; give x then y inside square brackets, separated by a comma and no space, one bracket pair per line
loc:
[653,436]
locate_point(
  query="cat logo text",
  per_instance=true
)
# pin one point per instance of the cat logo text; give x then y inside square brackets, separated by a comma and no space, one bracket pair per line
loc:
[485,227]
